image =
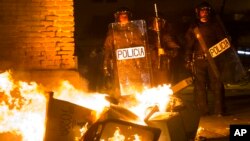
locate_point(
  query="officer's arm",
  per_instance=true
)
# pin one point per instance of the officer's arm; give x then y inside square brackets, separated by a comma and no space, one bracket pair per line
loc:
[107,50]
[189,44]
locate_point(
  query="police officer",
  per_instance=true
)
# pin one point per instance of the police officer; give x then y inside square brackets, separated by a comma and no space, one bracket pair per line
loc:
[204,76]
[122,15]
[160,38]
[127,74]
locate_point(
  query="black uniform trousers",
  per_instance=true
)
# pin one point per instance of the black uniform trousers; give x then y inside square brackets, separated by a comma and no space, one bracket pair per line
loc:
[205,80]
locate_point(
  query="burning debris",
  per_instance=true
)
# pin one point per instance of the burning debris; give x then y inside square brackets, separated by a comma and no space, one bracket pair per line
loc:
[29,113]
[22,108]
[119,130]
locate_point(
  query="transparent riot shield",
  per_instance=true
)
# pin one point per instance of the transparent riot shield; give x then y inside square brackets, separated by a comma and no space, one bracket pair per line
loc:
[132,67]
[233,70]
[223,60]
[230,66]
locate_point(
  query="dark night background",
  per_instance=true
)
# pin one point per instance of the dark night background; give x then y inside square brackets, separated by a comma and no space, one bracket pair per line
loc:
[93,16]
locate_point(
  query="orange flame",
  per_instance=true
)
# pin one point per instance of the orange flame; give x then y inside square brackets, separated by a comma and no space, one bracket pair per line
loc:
[6,83]
[93,101]
[22,108]
[23,105]
[159,96]
[117,136]
[120,137]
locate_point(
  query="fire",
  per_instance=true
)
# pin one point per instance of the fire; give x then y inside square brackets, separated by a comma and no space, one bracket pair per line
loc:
[84,129]
[23,105]
[117,136]
[159,96]
[94,101]
[6,83]
[22,108]
[137,137]
[120,137]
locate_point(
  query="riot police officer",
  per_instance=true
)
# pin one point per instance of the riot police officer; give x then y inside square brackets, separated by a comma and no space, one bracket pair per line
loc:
[204,72]
[164,48]
[122,15]
[125,55]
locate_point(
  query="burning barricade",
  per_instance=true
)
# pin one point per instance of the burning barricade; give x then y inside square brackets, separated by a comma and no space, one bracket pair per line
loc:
[29,113]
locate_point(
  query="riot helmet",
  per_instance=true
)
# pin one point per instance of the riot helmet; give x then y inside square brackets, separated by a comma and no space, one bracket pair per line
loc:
[203,11]
[122,14]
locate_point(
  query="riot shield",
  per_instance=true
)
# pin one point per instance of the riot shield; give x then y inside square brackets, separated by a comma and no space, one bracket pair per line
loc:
[132,67]
[232,70]
[223,60]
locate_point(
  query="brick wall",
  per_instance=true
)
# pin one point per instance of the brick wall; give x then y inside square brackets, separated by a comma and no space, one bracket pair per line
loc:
[37,34]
